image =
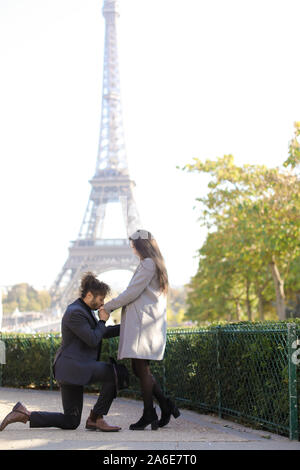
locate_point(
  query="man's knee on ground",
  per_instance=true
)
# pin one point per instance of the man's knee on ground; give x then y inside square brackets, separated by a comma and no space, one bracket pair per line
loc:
[72,422]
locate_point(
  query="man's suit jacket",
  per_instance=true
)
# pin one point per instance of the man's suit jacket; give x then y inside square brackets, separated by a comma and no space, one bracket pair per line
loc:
[82,335]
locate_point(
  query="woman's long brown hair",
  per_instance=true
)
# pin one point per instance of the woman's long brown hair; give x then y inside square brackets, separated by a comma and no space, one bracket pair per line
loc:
[147,247]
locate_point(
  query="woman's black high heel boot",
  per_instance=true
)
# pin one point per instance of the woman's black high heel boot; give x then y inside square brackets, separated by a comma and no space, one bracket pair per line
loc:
[149,417]
[166,412]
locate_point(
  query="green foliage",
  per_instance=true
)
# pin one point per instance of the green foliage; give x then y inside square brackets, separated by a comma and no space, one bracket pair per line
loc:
[293,159]
[28,359]
[176,306]
[25,298]
[252,249]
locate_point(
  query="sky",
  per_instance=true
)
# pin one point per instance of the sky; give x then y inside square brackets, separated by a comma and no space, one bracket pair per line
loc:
[199,79]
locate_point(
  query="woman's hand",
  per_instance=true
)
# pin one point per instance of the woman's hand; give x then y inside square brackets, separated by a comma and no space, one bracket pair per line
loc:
[102,314]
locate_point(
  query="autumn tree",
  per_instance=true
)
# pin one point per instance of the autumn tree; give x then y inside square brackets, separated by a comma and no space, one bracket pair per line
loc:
[176,305]
[252,214]
[25,298]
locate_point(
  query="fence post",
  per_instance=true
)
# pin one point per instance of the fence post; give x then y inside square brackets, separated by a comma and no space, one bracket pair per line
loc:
[164,378]
[293,398]
[51,361]
[218,339]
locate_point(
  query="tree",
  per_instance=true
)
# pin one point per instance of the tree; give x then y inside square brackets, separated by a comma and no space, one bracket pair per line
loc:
[176,305]
[257,209]
[25,298]
[293,159]
[227,286]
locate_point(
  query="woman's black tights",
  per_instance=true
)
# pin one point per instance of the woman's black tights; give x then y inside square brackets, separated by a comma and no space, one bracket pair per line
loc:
[149,386]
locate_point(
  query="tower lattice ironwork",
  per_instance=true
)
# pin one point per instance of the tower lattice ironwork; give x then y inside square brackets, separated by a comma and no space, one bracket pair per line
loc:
[111,183]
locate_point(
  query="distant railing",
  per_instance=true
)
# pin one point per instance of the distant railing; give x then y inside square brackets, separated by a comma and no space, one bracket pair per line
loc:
[102,242]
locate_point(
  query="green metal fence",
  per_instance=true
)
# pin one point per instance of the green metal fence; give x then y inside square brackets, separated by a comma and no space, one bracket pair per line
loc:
[246,370]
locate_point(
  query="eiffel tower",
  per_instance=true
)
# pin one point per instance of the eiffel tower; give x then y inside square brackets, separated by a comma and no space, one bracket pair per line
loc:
[111,183]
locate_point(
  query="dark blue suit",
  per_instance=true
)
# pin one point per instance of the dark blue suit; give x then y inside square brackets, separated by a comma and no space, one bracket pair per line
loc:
[77,364]
[82,334]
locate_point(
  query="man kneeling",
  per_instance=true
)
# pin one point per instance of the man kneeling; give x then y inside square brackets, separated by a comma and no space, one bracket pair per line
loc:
[77,364]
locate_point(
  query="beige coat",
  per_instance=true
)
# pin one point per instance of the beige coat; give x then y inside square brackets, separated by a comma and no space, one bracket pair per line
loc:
[144,317]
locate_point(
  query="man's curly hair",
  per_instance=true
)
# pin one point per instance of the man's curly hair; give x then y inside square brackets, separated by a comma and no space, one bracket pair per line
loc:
[89,283]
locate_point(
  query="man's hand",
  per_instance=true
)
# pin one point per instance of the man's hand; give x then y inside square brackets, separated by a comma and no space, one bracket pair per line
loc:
[103,315]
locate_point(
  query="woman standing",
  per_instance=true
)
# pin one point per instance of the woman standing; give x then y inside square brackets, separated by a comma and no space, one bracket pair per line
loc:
[143,326]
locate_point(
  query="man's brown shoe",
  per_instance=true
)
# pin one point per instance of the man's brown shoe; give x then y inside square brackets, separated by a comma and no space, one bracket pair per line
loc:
[99,424]
[91,422]
[19,414]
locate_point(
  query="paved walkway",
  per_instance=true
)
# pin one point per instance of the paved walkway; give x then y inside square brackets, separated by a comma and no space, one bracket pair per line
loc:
[191,431]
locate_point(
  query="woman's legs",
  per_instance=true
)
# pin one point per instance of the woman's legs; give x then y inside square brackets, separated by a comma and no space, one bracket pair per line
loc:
[149,386]
[160,397]
[141,370]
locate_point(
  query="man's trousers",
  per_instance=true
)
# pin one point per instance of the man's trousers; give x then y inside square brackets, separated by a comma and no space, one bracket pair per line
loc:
[72,401]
